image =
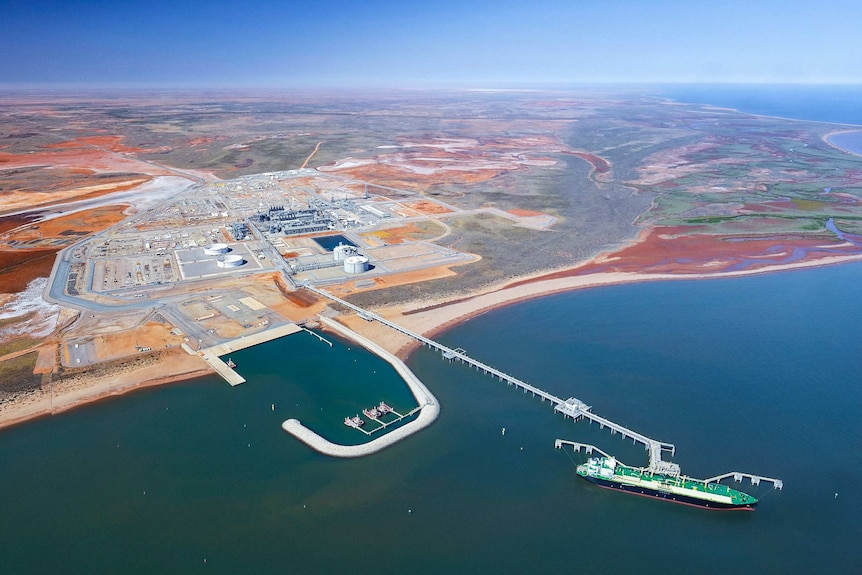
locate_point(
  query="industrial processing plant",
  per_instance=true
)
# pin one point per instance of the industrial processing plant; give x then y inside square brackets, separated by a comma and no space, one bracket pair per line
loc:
[314,228]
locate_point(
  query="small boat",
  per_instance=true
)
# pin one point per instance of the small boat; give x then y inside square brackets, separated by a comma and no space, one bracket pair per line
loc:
[230,363]
[354,421]
[383,409]
[372,413]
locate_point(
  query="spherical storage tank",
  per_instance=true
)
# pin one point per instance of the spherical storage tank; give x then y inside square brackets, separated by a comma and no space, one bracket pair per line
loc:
[230,262]
[356,264]
[216,249]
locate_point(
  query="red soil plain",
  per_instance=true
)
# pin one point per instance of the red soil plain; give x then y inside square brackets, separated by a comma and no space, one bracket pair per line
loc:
[682,251]
[20,265]
[525,213]
[415,164]
[79,169]
[94,154]
[600,165]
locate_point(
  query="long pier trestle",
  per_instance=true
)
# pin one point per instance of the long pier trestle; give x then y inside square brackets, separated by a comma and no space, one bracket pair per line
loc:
[572,407]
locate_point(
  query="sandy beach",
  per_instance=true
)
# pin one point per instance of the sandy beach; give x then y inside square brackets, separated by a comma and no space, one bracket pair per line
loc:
[442,316]
[83,389]
[828,139]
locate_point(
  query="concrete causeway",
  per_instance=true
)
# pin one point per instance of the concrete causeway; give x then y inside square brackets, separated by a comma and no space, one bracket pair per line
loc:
[254,339]
[223,369]
[428,412]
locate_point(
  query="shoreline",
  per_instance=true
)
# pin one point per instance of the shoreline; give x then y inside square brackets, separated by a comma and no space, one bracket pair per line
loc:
[828,142]
[430,318]
[47,402]
[676,101]
[442,316]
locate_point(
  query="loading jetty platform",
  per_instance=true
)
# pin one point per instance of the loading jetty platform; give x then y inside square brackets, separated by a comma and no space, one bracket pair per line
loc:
[211,355]
[376,414]
[571,407]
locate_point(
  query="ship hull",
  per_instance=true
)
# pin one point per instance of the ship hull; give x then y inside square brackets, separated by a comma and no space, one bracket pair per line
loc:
[672,497]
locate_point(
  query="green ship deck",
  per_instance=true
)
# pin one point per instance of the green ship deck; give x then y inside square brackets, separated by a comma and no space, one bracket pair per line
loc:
[607,472]
[609,469]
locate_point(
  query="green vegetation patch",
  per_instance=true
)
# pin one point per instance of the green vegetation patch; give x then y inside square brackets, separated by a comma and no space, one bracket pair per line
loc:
[16,375]
[810,205]
[849,225]
[18,344]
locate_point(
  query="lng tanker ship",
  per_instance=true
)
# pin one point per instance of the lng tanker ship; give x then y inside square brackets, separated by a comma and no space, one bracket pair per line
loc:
[663,480]
[610,473]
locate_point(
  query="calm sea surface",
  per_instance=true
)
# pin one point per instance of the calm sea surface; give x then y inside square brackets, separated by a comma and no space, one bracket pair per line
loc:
[759,374]
[841,104]
[850,141]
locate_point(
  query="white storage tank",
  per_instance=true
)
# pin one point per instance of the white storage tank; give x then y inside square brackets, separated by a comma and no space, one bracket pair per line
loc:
[230,262]
[356,264]
[342,252]
[216,249]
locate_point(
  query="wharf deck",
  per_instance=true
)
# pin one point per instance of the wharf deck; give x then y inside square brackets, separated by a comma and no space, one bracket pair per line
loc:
[221,367]
[211,354]
[384,424]
[254,339]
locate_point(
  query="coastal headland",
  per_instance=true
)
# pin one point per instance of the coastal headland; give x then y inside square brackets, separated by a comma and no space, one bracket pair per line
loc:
[121,250]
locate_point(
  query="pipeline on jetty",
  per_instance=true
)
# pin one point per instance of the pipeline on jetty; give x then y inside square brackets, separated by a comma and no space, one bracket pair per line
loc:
[571,407]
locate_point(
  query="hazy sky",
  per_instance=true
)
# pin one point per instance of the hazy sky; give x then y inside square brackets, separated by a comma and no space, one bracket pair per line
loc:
[428,43]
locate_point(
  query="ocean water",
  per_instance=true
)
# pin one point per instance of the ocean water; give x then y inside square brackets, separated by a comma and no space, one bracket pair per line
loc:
[758,374]
[850,141]
[830,103]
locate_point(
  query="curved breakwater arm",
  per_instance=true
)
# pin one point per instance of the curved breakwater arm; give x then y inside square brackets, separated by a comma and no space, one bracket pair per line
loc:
[426,400]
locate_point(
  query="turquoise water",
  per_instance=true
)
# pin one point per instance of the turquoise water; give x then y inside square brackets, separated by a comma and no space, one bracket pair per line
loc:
[329,243]
[758,374]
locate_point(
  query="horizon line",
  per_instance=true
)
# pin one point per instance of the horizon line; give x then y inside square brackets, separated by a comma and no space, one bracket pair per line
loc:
[512,87]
